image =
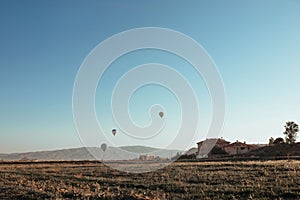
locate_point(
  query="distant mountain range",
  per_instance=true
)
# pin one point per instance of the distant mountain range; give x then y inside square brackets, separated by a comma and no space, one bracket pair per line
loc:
[92,153]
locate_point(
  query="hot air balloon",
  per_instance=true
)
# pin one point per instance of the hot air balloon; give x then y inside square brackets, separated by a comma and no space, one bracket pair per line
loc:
[103,147]
[161,114]
[114,132]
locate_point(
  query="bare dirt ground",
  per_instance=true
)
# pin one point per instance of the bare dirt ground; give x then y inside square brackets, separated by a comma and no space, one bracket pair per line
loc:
[205,180]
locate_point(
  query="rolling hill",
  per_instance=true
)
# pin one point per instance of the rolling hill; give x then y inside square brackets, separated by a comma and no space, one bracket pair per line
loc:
[112,153]
[276,150]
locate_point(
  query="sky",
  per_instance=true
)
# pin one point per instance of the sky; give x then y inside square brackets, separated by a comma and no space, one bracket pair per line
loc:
[255,45]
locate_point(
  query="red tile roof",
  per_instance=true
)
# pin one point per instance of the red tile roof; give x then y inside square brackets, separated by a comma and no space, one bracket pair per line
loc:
[219,141]
[239,144]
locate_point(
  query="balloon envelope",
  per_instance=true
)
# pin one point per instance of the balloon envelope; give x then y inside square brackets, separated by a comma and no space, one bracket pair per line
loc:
[104,147]
[114,131]
[161,114]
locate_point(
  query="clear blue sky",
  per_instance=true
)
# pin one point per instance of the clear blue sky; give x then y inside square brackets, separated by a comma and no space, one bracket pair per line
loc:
[255,44]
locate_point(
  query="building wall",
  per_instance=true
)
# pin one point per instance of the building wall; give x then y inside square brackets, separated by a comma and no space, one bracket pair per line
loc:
[146,157]
[237,149]
[220,143]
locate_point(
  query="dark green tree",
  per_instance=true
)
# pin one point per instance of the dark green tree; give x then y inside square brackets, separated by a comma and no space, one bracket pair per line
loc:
[278,141]
[291,130]
[218,151]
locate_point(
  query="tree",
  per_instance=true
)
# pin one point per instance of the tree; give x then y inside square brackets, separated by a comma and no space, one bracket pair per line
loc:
[291,130]
[271,141]
[218,151]
[279,140]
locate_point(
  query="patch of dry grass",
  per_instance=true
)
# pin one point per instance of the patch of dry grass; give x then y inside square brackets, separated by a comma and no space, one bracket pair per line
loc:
[205,180]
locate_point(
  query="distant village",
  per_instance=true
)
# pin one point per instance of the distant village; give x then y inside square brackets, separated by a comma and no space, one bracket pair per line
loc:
[218,147]
[209,147]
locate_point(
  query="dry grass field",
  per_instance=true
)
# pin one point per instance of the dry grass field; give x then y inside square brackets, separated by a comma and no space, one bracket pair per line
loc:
[203,180]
